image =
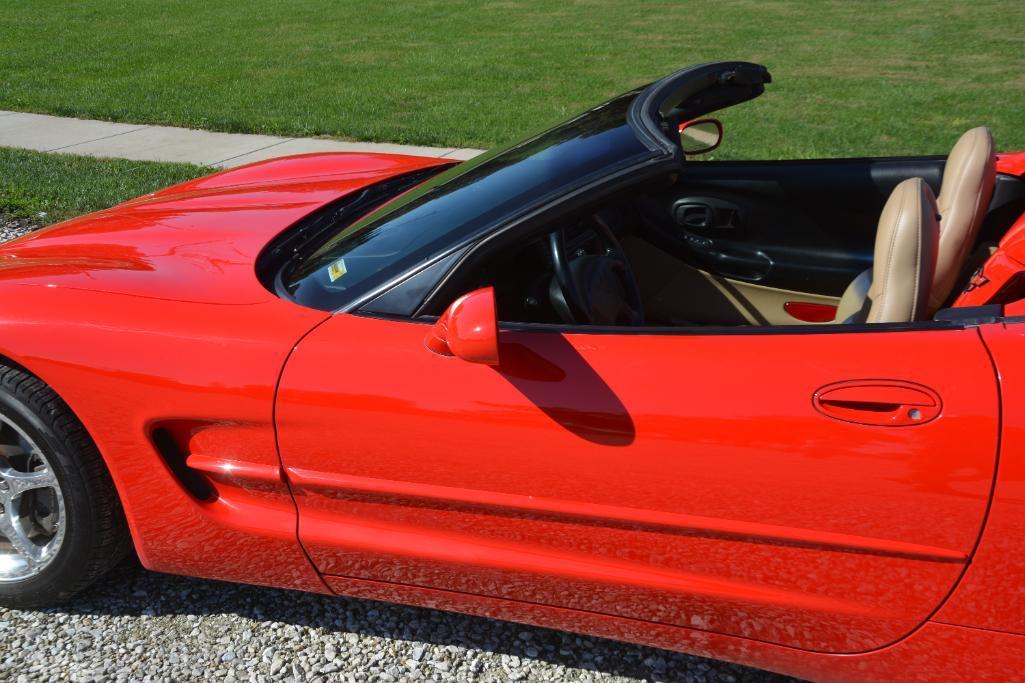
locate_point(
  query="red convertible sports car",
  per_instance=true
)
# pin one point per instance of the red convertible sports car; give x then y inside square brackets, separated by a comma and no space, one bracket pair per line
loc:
[762,411]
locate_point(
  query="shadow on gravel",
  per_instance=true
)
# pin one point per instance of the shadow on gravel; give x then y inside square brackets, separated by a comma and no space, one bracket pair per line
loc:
[131,591]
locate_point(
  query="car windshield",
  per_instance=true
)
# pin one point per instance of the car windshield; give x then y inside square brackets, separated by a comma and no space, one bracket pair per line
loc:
[461,203]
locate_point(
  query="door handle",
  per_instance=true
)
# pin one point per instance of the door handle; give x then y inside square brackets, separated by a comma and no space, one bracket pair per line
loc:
[695,215]
[706,213]
[881,402]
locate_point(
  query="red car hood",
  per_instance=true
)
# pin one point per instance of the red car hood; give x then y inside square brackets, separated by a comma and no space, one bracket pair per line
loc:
[197,241]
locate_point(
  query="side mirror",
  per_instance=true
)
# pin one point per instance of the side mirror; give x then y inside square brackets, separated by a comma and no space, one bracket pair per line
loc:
[700,135]
[468,329]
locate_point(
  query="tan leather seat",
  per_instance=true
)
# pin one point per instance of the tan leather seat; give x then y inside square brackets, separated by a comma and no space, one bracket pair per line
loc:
[897,287]
[964,197]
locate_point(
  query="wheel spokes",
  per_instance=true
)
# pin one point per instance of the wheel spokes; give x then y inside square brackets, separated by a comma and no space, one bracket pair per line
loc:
[32,515]
[14,483]
[11,529]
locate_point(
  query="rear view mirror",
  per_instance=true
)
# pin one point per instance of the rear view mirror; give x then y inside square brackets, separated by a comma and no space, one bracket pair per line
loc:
[700,135]
[468,329]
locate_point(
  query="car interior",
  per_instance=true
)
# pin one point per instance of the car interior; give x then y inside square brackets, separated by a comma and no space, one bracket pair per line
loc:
[756,243]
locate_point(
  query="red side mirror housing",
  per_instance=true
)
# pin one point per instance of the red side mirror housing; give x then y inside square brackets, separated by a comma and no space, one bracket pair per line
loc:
[468,329]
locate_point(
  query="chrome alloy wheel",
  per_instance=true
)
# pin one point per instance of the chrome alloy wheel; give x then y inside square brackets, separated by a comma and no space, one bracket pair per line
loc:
[32,515]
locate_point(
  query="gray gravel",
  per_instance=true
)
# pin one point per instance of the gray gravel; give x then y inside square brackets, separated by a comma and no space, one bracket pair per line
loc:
[137,625]
[11,227]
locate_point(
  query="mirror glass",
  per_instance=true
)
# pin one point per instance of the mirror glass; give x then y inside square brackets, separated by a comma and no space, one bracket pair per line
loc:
[697,137]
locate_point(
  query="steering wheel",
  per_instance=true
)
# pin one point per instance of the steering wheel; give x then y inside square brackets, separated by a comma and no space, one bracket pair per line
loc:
[594,289]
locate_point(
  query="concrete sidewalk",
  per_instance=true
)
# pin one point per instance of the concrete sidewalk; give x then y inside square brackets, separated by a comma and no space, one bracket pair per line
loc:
[163,143]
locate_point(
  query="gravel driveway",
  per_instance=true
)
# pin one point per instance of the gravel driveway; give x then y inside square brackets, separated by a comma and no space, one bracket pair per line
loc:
[137,625]
[13,227]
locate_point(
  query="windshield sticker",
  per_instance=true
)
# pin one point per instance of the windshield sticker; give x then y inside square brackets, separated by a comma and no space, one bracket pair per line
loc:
[336,269]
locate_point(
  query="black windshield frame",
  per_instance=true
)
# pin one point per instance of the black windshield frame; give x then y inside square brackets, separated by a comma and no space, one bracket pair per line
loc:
[461,203]
[626,135]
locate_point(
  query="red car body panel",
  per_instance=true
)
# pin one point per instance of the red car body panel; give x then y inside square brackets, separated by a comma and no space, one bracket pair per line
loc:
[992,594]
[148,317]
[1012,163]
[1002,278]
[195,242]
[700,501]
[625,507]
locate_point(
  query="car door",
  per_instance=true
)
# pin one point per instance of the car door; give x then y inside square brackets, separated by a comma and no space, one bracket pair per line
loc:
[821,489]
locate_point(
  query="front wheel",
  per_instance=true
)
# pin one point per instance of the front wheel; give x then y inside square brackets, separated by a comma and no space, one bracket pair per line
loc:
[61,523]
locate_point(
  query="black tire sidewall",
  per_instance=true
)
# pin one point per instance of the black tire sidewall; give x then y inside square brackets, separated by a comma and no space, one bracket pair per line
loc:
[76,547]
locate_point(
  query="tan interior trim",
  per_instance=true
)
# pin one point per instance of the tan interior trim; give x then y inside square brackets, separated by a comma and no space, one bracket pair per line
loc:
[674,290]
[764,305]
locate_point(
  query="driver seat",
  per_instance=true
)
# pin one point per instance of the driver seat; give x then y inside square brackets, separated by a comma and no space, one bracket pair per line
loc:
[897,287]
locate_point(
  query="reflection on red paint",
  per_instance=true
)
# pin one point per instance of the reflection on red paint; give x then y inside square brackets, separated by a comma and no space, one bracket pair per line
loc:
[150,316]
[638,476]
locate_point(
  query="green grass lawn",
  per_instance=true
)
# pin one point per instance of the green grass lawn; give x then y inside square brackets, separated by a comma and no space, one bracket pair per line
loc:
[852,78]
[62,186]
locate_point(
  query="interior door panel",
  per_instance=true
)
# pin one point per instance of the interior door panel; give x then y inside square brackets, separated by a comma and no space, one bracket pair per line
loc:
[676,293]
[682,479]
[806,226]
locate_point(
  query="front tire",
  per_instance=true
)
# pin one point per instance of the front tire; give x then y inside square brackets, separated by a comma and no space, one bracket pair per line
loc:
[61,522]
